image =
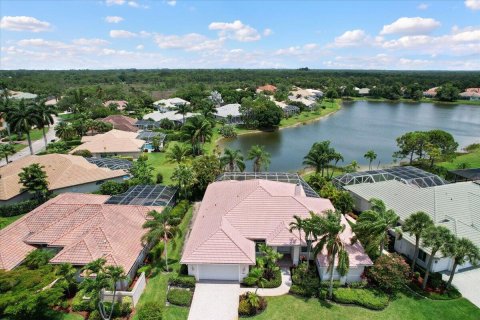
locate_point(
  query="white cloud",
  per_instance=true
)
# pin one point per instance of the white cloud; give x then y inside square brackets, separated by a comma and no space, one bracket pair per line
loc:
[378,61]
[122,34]
[133,4]
[235,30]
[90,42]
[188,42]
[172,3]
[113,19]
[351,38]
[23,23]
[423,6]
[115,2]
[411,26]
[140,47]
[267,32]
[473,4]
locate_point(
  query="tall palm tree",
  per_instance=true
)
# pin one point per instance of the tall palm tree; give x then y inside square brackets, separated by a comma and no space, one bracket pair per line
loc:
[435,238]
[112,275]
[336,156]
[370,155]
[46,114]
[65,130]
[197,130]
[297,225]
[184,177]
[22,118]
[6,149]
[232,159]
[182,109]
[319,156]
[373,225]
[178,153]
[417,225]
[461,251]
[160,229]
[328,230]
[260,157]
[67,275]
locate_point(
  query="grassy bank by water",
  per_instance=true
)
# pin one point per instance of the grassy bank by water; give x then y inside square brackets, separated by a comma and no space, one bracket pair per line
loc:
[471,160]
[423,100]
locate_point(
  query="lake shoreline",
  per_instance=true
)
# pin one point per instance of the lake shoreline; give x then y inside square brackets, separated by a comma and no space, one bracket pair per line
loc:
[403,100]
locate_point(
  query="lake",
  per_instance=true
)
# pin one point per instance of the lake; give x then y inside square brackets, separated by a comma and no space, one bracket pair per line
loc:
[360,126]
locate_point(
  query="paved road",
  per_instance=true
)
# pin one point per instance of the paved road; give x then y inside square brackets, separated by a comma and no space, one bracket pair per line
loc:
[467,282]
[38,146]
[215,301]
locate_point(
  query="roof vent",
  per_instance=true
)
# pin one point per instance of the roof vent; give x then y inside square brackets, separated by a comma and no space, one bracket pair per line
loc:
[298,190]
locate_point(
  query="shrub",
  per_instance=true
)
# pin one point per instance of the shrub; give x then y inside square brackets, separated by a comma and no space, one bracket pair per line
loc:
[83,153]
[250,304]
[159,178]
[150,311]
[14,209]
[245,309]
[370,299]
[95,315]
[435,280]
[183,270]
[79,304]
[180,297]
[147,269]
[38,258]
[112,188]
[178,212]
[298,290]
[228,131]
[390,272]
[182,281]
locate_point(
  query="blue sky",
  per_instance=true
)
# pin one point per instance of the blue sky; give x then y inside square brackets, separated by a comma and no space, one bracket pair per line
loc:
[240,34]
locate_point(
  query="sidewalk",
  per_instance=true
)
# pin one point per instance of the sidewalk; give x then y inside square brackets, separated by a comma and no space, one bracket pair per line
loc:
[272,292]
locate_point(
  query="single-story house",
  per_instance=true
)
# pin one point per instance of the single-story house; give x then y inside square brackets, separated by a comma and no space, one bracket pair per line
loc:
[171,103]
[80,228]
[112,143]
[363,91]
[430,93]
[455,206]
[170,115]
[288,110]
[120,122]
[65,173]
[51,102]
[120,104]
[309,94]
[267,88]
[235,217]
[470,94]
[18,95]
[230,113]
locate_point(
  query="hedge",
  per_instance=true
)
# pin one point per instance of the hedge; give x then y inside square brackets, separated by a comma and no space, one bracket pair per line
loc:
[299,291]
[178,212]
[79,304]
[150,311]
[180,297]
[275,282]
[182,281]
[15,209]
[370,299]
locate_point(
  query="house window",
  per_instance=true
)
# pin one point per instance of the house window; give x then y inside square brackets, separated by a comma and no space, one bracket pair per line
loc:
[304,249]
[422,255]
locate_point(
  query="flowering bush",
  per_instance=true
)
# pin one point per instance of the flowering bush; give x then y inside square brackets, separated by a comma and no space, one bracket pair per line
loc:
[390,272]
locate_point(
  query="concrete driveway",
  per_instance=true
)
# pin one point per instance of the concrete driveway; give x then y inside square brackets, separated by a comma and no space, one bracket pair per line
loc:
[215,301]
[468,282]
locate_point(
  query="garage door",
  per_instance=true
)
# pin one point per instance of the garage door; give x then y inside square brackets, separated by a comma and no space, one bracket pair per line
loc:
[218,272]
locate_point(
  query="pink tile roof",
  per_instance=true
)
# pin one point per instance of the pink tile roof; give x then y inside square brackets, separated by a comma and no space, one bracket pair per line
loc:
[83,226]
[120,122]
[233,213]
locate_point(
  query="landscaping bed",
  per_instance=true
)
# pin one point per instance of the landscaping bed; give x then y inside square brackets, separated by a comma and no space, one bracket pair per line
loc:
[368,298]
[180,297]
[251,304]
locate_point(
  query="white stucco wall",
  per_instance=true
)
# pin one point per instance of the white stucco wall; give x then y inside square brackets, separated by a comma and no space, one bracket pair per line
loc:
[196,270]
[353,275]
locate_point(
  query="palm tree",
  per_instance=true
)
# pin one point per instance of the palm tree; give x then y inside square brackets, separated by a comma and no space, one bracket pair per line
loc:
[23,118]
[198,130]
[112,275]
[182,109]
[178,153]
[6,149]
[46,114]
[67,275]
[232,159]
[461,251]
[373,225]
[435,238]
[185,178]
[319,156]
[260,158]
[328,230]
[416,225]
[256,276]
[370,155]
[299,225]
[65,131]
[160,229]
[336,156]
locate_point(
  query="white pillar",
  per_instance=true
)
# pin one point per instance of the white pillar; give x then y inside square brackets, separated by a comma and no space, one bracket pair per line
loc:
[295,254]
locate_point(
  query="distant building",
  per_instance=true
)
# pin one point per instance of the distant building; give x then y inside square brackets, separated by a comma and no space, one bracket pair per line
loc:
[363,91]
[121,104]
[170,115]
[430,93]
[18,95]
[471,94]
[306,96]
[267,88]
[122,123]
[171,103]
[230,113]
[288,110]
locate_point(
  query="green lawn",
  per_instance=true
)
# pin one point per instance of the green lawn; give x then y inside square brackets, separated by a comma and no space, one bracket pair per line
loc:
[156,289]
[66,316]
[307,116]
[5,221]
[290,307]
[472,159]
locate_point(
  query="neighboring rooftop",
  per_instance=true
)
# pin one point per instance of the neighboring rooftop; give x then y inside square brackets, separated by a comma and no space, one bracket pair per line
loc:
[111,163]
[171,103]
[83,227]
[267,87]
[113,141]
[122,123]
[149,135]
[232,109]
[62,171]
[466,174]
[147,124]
[408,175]
[22,95]
[146,195]
[121,104]
[170,115]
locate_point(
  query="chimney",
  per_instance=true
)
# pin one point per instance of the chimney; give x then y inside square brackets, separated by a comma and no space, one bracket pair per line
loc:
[298,190]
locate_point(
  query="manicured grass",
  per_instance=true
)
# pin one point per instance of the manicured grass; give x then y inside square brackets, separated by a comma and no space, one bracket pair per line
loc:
[5,221]
[65,316]
[472,159]
[160,164]
[289,307]
[307,116]
[156,290]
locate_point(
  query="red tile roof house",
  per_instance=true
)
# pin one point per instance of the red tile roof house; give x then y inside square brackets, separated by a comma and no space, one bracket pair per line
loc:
[82,229]
[234,216]
[122,123]
[430,93]
[267,87]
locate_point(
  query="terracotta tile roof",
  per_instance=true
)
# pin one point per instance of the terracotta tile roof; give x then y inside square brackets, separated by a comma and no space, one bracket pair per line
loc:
[122,123]
[111,142]
[121,104]
[267,87]
[233,213]
[62,171]
[85,228]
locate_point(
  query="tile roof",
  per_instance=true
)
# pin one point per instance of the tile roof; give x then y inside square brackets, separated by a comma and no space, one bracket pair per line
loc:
[267,87]
[62,171]
[83,226]
[111,142]
[122,123]
[232,109]
[122,104]
[233,213]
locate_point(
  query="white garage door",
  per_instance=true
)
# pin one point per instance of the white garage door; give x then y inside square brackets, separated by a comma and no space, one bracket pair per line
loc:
[218,272]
